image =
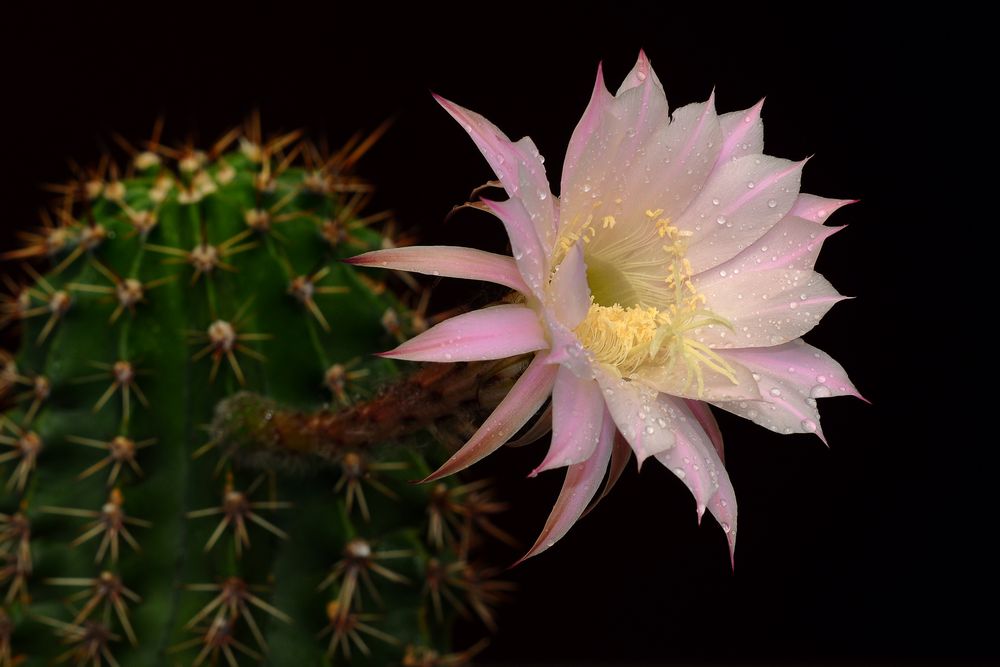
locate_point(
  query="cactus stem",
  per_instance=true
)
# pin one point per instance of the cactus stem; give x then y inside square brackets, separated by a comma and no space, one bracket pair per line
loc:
[439,580]
[338,376]
[15,549]
[305,287]
[107,588]
[121,452]
[39,391]
[110,521]
[345,628]
[359,561]
[421,656]
[218,638]
[204,257]
[14,305]
[56,302]
[237,509]
[234,598]
[123,375]
[89,641]
[355,468]
[225,342]
[483,593]
[26,447]
[128,292]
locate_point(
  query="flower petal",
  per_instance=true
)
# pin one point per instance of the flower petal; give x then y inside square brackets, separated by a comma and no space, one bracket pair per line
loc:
[531,259]
[642,420]
[743,133]
[817,209]
[678,162]
[520,404]
[586,129]
[537,431]
[627,123]
[449,261]
[693,458]
[678,381]
[570,294]
[742,200]
[518,165]
[581,484]
[793,243]
[791,377]
[620,454]
[703,413]
[765,308]
[577,414]
[722,506]
[489,333]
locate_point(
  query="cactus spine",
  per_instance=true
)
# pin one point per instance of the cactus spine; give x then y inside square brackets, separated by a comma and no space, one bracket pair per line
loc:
[192,307]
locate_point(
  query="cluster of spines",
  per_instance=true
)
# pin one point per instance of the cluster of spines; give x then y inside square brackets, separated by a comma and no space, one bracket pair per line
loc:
[105,207]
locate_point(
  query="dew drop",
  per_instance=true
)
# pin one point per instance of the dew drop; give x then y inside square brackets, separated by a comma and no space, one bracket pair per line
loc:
[680,473]
[650,430]
[775,391]
[808,425]
[721,220]
[715,201]
[771,203]
[820,391]
[751,185]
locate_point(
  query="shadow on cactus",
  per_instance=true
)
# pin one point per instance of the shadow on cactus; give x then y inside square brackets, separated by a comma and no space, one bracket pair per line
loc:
[204,463]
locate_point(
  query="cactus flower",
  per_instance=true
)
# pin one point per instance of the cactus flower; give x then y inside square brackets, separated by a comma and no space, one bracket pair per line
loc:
[674,271]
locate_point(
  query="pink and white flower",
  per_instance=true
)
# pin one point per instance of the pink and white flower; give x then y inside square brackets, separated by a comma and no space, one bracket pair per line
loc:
[674,271]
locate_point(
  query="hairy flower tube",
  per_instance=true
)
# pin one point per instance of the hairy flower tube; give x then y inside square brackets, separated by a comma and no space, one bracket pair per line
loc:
[673,272]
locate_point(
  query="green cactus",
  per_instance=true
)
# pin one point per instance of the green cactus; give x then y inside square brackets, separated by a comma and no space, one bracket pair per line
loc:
[199,469]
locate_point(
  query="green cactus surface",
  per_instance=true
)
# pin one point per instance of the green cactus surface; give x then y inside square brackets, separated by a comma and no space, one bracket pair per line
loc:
[175,488]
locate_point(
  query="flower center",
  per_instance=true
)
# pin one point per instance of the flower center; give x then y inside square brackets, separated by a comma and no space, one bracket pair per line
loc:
[628,337]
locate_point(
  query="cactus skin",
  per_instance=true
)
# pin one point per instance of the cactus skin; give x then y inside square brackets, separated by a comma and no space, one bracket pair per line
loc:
[199,296]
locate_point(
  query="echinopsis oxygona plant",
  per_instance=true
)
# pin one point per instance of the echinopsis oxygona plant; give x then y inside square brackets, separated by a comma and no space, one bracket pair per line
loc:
[674,271]
[176,492]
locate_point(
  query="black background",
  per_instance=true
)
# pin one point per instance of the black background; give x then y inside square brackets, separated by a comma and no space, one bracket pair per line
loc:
[872,551]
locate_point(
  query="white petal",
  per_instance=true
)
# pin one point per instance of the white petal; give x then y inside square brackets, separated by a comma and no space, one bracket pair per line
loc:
[641,419]
[765,308]
[791,377]
[742,200]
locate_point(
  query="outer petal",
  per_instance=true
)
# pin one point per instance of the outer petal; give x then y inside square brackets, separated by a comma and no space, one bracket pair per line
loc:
[577,416]
[517,165]
[520,404]
[531,259]
[765,308]
[620,454]
[743,133]
[586,133]
[742,200]
[489,333]
[627,122]
[678,161]
[581,483]
[706,419]
[793,243]
[817,209]
[722,506]
[570,295]
[692,458]
[791,377]
[642,420]
[448,261]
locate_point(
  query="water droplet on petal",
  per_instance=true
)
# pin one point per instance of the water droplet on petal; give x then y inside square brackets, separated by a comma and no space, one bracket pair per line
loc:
[775,391]
[820,391]
[680,473]
[808,425]
[721,220]
[771,203]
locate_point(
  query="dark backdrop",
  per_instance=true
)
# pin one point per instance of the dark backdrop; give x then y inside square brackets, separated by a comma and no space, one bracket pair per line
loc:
[857,553]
